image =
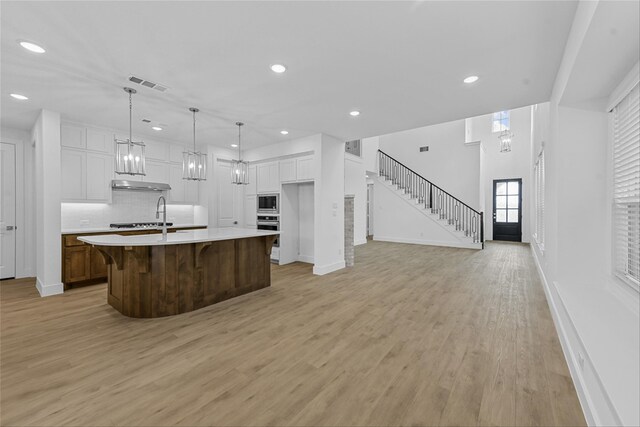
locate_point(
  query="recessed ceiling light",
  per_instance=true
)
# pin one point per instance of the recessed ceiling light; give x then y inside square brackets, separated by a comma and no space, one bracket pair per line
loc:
[234,145]
[156,128]
[18,96]
[284,132]
[355,113]
[278,68]
[471,79]
[32,47]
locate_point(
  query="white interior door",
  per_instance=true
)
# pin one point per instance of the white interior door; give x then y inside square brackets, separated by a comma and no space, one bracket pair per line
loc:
[7,210]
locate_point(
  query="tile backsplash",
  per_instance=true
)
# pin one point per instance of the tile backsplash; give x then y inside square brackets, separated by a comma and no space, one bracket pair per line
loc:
[126,206]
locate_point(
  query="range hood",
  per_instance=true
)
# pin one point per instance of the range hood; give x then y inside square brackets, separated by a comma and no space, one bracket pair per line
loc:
[121,184]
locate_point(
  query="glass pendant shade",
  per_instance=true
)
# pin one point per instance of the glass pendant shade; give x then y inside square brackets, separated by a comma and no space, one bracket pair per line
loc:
[505,141]
[194,163]
[239,168]
[130,158]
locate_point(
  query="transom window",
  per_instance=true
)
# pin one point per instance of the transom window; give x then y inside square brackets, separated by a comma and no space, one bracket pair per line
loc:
[500,121]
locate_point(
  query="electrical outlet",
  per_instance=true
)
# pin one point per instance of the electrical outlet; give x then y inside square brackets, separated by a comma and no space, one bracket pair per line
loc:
[581,360]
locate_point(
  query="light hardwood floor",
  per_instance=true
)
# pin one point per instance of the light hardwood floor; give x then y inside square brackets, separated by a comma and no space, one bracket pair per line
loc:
[412,335]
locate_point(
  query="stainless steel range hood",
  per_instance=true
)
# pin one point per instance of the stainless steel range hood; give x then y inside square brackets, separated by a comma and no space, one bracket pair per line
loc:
[121,184]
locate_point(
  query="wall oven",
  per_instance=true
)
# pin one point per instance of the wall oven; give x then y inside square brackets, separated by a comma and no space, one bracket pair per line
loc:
[271,223]
[268,203]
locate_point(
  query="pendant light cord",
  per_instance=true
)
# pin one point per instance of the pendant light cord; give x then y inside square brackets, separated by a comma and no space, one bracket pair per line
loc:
[130,121]
[194,130]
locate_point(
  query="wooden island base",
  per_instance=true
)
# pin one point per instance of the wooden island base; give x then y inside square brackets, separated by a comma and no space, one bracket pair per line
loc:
[164,280]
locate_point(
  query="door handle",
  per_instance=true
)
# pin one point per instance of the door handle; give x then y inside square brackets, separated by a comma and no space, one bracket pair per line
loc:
[11,227]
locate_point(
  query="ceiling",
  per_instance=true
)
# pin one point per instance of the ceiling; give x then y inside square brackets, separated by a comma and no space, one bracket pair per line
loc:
[400,63]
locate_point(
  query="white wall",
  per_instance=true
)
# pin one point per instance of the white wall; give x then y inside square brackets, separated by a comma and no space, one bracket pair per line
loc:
[370,148]
[597,317]
[450,163]
[46,134]
[496,165]
[25,200]
[355,183]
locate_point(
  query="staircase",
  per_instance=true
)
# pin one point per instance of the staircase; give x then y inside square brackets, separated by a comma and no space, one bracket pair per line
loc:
[461,220]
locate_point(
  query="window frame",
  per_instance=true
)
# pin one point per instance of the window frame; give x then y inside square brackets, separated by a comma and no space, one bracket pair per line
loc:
[504,120]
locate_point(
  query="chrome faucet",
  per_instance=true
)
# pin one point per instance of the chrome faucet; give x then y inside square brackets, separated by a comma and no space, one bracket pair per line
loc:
[164,215]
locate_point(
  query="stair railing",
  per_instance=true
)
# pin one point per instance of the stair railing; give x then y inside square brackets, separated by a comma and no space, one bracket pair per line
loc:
[448,208]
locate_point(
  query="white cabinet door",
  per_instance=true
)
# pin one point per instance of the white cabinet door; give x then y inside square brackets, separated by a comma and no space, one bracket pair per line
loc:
[73,165]
[156,150]
[228,200]
[72,136]
[175,153]
[268,177]
[288,170]
[157,171]
[99,175]
[305,169]
[98,140]
[250,211]
[253,181]
[192,189]
[177,193]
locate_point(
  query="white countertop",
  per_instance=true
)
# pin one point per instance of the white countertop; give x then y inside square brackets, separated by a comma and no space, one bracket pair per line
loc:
[81,230]
[177,238]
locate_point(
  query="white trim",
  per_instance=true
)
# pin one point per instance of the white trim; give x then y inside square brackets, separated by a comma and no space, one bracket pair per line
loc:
[360,242]
[321,270]
[566,329]
[49,290]
[305,258]
[625,86]
[427,242]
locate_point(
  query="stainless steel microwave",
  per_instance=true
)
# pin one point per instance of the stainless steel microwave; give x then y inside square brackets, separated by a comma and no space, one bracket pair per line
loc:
[268,203]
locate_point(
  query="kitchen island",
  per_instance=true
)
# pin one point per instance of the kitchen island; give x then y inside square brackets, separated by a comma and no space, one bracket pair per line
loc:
[155,276]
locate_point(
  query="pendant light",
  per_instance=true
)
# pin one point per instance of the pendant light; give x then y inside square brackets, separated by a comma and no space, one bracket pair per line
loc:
[194,163]
[129,153]
[505,141]
[239,169]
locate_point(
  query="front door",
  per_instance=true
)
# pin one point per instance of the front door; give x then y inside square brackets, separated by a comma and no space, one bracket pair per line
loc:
[507,209]
[7,210]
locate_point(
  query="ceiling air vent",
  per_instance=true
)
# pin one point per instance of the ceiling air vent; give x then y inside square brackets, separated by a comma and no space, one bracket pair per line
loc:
[425,148]
[146,120]
[147,83]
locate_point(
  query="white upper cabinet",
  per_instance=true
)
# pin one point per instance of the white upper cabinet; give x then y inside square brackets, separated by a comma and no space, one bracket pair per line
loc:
[268,177]
[99,176]
[288,170]
[156,150]
[177,193]
[252,186]
[157,171]
[305,168]
[98,140]
[73,165]
[175,153]
[72,136]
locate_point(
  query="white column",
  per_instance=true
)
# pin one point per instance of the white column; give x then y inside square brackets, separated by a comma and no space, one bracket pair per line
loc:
[46,134]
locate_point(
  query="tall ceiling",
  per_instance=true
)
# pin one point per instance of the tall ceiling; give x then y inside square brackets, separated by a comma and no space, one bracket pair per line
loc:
[400,63]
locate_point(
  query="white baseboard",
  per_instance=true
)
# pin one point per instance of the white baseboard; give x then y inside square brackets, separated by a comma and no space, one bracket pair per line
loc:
[48,290]
[305,258]
[360,242]
[321,270]
[591,394]
[428,242]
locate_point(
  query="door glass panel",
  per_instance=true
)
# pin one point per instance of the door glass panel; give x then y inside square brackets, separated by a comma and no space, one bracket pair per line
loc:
[512,216]
[501,215]
[501,201]
[513,202]
[513,187]
[501,188]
